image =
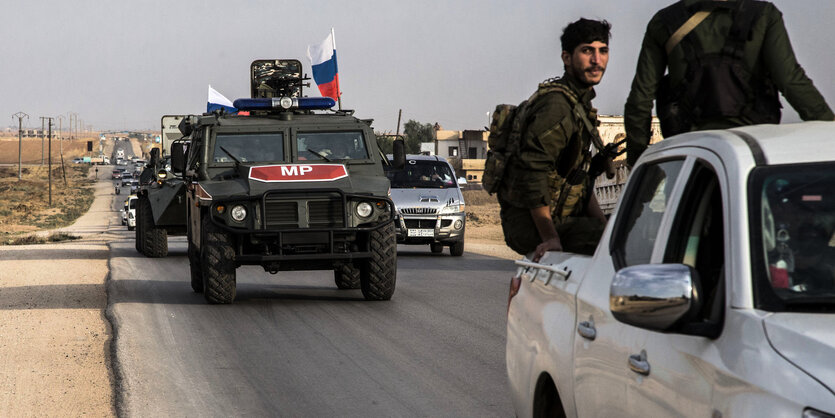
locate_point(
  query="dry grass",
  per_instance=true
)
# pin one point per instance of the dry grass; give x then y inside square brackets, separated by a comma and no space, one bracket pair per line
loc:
[483,221]
[24,206]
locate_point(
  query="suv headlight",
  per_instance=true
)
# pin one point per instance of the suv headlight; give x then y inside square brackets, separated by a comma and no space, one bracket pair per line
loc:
[456,208]
[238,213]
[364,209]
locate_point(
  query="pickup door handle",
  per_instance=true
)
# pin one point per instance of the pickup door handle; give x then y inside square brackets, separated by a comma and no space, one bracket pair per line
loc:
[586,330]
[638,363]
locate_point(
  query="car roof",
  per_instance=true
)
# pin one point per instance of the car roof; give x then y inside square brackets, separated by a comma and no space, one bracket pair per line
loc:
[793,143]
[419,157]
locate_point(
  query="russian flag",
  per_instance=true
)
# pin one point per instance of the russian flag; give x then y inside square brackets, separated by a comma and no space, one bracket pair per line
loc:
[323,59]
[218,101]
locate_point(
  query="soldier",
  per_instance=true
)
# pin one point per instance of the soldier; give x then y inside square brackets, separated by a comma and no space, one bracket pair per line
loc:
[547,200]
[726,61]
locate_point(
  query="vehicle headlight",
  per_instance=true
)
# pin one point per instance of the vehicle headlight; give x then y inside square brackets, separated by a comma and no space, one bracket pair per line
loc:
[364,209]
[238,213]
[456,208]
[162,175]
[458,224]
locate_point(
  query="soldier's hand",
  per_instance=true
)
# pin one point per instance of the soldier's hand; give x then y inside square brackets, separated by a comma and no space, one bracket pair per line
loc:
[552,244]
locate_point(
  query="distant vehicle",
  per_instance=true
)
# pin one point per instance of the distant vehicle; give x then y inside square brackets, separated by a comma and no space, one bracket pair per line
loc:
[711,293]
[138,162]
[429,205]
[126,180]
[134,186]
[100,160]
[129,213]
[77,160]
[116,175]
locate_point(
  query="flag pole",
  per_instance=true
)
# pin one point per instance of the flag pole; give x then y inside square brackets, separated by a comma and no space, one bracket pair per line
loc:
[338,91]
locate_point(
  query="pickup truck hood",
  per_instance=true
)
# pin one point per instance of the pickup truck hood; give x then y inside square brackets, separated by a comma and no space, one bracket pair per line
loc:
[806,340]
[424,198]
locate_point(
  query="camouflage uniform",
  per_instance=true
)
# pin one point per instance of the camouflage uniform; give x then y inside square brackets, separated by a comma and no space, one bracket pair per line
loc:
[767,53]
[554,145]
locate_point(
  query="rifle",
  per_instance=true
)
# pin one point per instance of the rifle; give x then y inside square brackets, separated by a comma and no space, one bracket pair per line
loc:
[603,161]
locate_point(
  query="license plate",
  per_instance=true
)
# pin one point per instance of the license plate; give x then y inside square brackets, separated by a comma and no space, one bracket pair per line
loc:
[421,233]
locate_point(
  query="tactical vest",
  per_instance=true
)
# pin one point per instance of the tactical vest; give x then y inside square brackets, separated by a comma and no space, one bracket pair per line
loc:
[716,85]
[569,184]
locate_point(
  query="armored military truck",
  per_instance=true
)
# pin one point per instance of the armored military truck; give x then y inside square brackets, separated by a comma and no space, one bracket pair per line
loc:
[286,184]
[161,209]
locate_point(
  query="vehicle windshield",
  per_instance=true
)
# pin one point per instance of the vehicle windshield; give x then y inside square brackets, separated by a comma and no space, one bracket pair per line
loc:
[422,174]
[248,148]
[331,146]
[793,217]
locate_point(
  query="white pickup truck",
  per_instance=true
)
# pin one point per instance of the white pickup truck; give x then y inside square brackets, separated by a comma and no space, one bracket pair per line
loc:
[711,294]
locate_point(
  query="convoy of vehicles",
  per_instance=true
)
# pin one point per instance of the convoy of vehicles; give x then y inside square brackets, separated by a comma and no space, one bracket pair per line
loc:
[429,204]
[712,292]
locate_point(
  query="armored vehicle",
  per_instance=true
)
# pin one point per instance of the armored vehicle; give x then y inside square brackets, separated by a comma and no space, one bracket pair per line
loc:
[161,209]
[286,184]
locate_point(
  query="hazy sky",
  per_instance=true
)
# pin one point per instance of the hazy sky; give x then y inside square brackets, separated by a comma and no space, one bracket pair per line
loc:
[123,64]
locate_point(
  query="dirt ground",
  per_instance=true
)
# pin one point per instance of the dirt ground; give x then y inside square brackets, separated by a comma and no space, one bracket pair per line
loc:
[54,335]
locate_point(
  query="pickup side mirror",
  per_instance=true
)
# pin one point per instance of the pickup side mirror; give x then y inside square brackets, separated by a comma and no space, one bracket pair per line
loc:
[178,157]
[398,154]
[656,297]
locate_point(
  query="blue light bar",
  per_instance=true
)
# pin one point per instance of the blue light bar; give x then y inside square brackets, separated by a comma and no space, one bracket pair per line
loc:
[285,103]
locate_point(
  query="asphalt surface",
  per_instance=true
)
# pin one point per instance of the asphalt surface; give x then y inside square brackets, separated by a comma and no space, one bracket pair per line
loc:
[292,344]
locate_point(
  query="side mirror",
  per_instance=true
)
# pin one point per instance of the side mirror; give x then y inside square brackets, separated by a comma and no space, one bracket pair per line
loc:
[178,157]
[655,296]
[462,181]
[398,154]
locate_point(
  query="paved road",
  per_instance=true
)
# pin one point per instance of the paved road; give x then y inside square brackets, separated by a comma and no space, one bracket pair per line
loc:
[295,345]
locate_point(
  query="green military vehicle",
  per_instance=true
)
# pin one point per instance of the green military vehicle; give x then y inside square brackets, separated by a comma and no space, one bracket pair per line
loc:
[289,185]
[161,209]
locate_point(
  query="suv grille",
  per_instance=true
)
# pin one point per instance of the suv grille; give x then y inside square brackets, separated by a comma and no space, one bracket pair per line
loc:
[283,212]
[420,223]
[419,211]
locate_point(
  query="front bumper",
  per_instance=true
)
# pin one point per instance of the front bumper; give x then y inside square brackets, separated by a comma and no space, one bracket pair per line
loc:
[428,229]
[303,230]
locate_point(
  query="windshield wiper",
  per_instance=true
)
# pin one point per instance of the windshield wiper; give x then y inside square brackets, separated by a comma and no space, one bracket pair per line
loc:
[237,161]
[319,154]
[817,303]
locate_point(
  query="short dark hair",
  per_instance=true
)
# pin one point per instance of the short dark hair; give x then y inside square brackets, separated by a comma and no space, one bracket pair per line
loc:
[585,31]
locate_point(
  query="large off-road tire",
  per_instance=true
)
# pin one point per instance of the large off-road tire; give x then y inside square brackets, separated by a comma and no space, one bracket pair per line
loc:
[154,241]
[194,267]
[218,264]
[347,276]
[436,247]
[457,249]
[378,274]
[138,230]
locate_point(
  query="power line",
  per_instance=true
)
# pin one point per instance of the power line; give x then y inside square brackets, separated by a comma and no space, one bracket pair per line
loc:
[20,116]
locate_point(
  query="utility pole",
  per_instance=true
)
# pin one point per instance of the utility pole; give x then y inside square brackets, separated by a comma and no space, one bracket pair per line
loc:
[20,116]
[50,161]
[43,118]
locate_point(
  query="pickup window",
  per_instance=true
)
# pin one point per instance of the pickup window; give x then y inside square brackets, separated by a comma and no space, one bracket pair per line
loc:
[792,242]
[645,206]
[697,239]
